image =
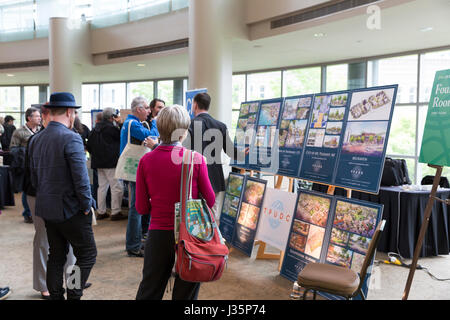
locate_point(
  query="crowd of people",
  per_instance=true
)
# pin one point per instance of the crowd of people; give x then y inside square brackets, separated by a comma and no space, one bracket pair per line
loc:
[49,160]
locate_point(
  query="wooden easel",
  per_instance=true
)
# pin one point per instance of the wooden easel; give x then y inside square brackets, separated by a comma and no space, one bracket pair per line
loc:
[424,228]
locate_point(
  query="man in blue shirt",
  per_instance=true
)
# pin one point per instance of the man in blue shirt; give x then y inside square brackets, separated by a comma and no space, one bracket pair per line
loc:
[63,196]
[138,134]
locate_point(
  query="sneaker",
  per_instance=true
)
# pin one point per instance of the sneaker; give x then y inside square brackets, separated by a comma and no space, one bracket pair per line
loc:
[102,216]
[28,219]
[118,216]
[137,253]
[4,293]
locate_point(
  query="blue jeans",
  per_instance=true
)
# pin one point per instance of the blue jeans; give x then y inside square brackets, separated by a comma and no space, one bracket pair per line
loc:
[134,226]
[26,209]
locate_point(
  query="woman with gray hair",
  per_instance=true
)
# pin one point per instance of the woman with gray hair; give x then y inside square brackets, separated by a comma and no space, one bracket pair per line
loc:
[158,181]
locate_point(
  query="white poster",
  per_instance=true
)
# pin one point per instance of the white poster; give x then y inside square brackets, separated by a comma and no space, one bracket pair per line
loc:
[276,217]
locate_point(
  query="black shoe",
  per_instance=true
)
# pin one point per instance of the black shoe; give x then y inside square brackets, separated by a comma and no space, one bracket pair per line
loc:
[87,285]
[45,297]
[28,219]
[102,216]
[118,216]
[137,253]
[4,293]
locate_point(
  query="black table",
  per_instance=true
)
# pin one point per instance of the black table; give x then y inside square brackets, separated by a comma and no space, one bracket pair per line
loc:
[6,190]
[403,212]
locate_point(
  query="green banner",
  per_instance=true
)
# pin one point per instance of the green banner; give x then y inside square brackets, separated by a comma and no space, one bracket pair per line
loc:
[436,137]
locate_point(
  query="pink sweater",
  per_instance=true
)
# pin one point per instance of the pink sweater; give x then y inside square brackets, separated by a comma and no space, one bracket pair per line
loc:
[158,182]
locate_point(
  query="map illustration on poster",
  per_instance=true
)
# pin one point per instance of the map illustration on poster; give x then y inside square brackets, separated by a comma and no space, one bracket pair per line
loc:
[230,205]
[190,94]
[266,141]
[307,234]
[248,216]
[353,228]
[292,133]
[324,137]
[363,151]
[246,129]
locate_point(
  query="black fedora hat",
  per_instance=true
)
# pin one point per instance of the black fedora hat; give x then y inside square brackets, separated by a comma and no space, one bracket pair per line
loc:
[62,100]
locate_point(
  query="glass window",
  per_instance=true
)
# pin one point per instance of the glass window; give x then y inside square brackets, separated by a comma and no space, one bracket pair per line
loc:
[16,16]
[238,95]
[425,170]
[139,89]
[301,81]
[429,64]
[140,9]
[90,94]
[165,91]
[402,137]
[85,118]
[109,12]
[264,85]
[234,120]
[337,77]
[398,70]
[10,99]
[179,4]
[112,95]
[16,115]
[31,96]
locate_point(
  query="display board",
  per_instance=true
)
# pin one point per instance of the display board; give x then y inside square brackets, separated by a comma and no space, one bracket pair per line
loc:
[264,150]
[324,138]
[294,124]
[366,136]
[230,206]
[190,94]
[435,147]
[246,130]
[248,216]
[94,117]
[332,230]
[276,216]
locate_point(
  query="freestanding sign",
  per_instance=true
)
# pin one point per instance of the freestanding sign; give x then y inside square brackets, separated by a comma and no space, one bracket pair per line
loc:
[230,205]
[190,94]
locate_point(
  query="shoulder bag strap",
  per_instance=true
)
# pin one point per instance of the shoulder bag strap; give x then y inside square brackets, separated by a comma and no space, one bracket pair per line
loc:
[129,128]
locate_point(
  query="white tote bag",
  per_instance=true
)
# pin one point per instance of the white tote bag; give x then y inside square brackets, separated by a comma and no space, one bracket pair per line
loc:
[129,159]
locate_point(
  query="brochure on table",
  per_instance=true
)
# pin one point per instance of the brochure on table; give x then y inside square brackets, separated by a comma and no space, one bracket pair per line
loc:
[232,198]
[190,94]
[264,151]
[330,229]
[248,216]
[324,139]
[246,129]
[436,137]
[362,155]
[276,216]
[293,130]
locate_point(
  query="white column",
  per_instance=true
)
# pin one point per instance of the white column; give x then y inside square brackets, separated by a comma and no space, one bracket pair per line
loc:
[210,56]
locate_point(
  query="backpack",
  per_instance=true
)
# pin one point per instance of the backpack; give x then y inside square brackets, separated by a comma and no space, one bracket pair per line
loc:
[395,172]
[201,253]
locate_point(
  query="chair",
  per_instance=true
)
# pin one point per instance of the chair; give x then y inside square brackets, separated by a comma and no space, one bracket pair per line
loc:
[337,280]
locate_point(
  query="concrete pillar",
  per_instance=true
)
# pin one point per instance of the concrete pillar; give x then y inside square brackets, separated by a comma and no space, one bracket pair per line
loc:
[210,56]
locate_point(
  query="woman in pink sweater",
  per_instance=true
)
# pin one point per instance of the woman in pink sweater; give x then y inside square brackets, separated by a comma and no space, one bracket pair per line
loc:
[158,185]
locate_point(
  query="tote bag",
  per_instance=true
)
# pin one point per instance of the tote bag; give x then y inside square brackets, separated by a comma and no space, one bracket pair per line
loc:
[129,159]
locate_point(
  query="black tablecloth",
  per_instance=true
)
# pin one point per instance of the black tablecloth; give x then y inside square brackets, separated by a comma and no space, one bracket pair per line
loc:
[403,212]
[6,190]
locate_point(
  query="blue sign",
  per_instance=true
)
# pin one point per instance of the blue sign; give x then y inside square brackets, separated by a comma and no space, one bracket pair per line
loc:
[248,216]
[190,94]
[230,205]
[363,152]
[294,124]
[324,139]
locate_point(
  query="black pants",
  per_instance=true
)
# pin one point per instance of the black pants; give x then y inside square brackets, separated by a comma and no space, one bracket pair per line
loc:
[76,231]
[159,258]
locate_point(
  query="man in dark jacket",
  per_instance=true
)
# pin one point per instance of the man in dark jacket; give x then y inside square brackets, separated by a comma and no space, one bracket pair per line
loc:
[104,146]
[63,196]
[209,136]
[6,137]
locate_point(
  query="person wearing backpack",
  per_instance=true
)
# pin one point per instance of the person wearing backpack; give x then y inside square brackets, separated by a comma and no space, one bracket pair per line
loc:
[104,146]
[158,182]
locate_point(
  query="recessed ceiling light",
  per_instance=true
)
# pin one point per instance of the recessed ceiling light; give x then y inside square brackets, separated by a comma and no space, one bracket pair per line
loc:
[141,65]
[319,35]
[427,29]
[9,75]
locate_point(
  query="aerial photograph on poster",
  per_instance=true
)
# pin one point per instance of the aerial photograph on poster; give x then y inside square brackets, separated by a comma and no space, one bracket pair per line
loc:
[269,114]
[320,111]
[235,184]
[313,209]
[331,142]
[334,128]
[315,138]
[365,138]
[314,241]
[359,243]
[254,192]
[355,218]
[296,134]
[339,256]
[297,242]
[371,105]
[339,237]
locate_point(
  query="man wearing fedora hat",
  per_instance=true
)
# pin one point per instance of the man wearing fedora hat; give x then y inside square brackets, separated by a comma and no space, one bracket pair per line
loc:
[63,196]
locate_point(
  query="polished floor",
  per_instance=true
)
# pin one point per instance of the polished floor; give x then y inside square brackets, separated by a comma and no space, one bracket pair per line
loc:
[116,276]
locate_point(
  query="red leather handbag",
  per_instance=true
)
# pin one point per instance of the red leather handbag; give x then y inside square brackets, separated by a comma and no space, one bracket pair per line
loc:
[201,251]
